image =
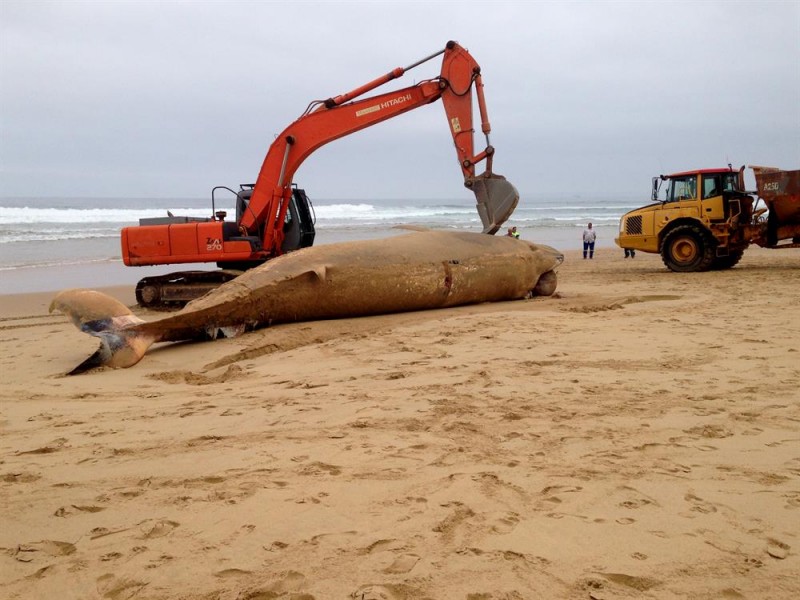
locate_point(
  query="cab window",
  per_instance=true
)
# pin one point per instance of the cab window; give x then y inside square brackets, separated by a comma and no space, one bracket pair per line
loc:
[711,186]
[730,182]
[682,188]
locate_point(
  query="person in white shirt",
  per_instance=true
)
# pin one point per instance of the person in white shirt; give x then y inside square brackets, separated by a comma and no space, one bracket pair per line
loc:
[589,237]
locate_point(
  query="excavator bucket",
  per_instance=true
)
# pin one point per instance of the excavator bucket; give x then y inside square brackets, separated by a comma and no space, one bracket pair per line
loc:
[496,199]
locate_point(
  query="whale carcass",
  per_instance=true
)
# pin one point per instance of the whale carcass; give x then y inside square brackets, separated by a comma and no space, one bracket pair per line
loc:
[413,271]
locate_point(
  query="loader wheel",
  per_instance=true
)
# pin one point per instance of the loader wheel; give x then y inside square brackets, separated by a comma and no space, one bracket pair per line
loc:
[727,262]
[687,249]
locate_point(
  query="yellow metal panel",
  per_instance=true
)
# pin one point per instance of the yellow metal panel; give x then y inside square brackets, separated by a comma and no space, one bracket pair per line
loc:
[713,208]
[644,238]
[673,211]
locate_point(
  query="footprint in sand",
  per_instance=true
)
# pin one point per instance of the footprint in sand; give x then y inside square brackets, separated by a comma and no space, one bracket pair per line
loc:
[320,468]
[378,546]
[157,529]
[635,503]
[386,592]
[552,494]
[505,523]
[65,511]
[402,564]
[755,563]
[710,431]
[641,584]
[777,549]
[635,499]
[700,505]
[458,515]
[560,489]
[232,573]
[21,477]
[28,552]
[115,588]
[289,584]
[54,548]
[53,446]
[111,556]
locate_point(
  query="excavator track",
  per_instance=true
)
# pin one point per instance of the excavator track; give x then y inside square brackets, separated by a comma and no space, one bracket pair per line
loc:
[173,291]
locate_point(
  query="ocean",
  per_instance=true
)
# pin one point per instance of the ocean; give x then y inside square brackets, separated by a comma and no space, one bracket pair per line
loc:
[50,243]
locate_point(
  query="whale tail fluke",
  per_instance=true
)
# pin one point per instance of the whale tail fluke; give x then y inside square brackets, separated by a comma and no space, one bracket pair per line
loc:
[121,343]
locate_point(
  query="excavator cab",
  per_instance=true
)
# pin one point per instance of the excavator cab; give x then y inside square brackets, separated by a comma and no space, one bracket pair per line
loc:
[298,225]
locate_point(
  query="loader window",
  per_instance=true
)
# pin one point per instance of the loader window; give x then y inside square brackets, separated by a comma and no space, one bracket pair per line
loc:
[711,186]
[682,188]
[730,182]
[714,185]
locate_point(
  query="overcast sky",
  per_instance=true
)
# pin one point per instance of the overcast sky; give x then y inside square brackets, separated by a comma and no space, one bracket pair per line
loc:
[168,99]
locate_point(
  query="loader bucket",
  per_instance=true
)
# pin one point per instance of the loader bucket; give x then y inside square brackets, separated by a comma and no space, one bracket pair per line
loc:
[496,199]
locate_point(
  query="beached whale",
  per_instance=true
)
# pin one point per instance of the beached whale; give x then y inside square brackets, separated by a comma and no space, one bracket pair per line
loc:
[414,271]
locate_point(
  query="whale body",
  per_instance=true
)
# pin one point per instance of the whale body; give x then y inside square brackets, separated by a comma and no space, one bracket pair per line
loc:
[414,271]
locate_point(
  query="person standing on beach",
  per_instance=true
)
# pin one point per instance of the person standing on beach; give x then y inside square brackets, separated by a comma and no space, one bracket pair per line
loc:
[589,237]
[630,252]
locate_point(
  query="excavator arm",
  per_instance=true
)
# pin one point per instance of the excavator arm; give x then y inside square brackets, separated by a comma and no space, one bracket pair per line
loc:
[328,120]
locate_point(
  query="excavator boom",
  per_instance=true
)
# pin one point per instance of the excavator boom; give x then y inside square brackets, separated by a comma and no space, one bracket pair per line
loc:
[342,115]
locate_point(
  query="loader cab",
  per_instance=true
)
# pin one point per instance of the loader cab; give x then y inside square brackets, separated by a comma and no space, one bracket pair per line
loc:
[686,186]
[711,195]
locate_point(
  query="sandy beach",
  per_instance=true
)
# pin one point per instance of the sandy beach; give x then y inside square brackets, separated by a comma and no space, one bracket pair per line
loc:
[635,436]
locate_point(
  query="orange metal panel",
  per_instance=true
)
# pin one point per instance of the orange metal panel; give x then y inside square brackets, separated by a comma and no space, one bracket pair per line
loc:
[183,239]
[179,243]
[126,255]
[209,239]
[237,248]
[146,241]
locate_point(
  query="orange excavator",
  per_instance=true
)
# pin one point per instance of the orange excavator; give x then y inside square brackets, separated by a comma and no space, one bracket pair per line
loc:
[274,216]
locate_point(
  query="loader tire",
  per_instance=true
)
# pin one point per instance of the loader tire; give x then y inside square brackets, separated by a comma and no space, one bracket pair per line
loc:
[727,262]
[688,249]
